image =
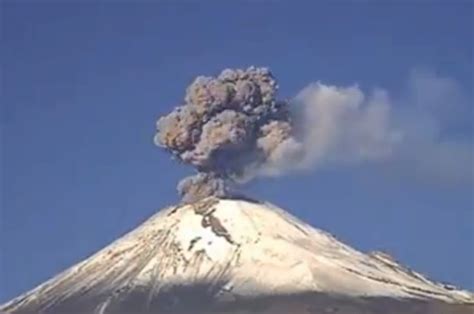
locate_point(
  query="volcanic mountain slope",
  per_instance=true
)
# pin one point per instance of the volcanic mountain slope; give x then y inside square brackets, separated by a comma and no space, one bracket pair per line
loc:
[236,256]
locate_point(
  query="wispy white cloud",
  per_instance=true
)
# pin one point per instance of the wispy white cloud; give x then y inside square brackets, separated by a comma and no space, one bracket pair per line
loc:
[412,133]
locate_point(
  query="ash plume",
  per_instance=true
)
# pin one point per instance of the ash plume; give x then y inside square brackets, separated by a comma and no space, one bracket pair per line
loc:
[232,128]
[227,128]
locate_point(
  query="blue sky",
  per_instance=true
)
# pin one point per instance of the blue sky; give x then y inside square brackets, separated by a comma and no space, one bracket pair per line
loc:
[83,85]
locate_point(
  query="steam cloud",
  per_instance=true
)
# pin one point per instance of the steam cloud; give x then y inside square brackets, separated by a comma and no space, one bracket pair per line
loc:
[232,128]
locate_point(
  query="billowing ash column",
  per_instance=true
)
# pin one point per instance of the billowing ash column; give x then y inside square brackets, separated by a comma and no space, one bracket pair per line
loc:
[228,127]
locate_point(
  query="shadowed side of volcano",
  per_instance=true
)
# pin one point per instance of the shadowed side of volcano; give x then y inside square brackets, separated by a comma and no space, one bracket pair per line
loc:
[200,300]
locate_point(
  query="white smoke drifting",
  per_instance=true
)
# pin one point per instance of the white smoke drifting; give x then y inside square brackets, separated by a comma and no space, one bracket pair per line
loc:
[338,125]
[233,129]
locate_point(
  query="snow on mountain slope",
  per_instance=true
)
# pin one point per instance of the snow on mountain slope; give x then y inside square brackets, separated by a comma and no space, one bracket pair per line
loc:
[236,256]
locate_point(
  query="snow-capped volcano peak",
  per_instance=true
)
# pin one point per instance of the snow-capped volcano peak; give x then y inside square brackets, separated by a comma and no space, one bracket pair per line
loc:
[236,256]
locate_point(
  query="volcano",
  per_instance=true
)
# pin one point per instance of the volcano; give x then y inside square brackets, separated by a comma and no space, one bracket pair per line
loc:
[237,256]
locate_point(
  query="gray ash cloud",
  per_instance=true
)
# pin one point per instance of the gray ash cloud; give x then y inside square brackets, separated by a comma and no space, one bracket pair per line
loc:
[228,127]
[232,128]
